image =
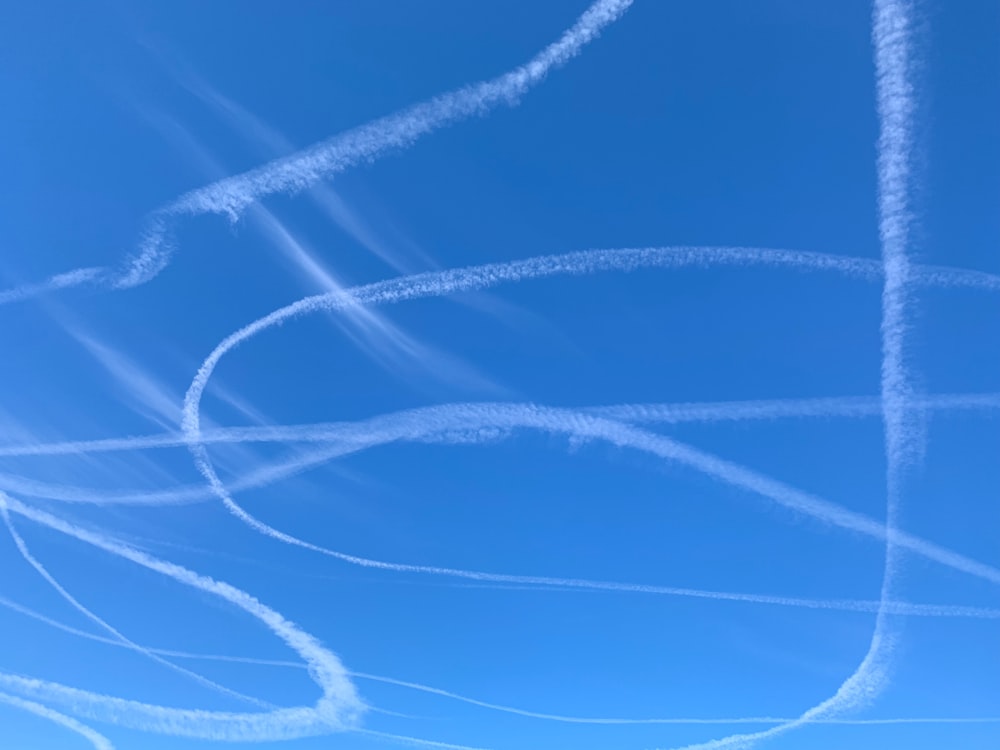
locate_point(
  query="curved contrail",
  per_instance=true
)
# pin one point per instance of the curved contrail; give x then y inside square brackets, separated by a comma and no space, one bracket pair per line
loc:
[891,41]
[851,407]
[429,689]
[337,709]
[99,741]
[118,636]
[440,283]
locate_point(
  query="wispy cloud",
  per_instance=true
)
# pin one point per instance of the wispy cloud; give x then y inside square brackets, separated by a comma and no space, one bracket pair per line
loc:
[394,349]
[294,173]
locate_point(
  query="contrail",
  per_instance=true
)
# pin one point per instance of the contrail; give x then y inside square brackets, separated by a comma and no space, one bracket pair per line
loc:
[397,131]
[467,419]
[230,196]
[337,709]
[903,438]
[99,741]
[60,281]
[440,283]
[851,407]
[472,278]
[330,433]
[120,638]
[869,606]
[668,720]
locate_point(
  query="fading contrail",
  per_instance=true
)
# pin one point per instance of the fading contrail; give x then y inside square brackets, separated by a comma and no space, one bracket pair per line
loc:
[337,709]
[99,741]
[903,441]
[230,196]
[119,637]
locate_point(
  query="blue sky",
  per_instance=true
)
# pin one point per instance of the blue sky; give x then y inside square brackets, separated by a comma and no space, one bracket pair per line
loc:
[647,476]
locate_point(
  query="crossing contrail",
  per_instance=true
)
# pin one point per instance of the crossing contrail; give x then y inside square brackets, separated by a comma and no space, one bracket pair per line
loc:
[903,436]
[338,708]
[323,160]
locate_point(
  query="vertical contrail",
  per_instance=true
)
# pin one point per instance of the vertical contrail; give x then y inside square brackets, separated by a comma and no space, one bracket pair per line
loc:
[891,21]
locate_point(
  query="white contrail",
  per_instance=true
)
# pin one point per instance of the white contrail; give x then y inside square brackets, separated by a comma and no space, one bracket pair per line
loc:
[441,283]
[331,433]
[467,419]
[668,720]
[323,160]
[869,606]
[119,637]
[327,158]
[903,441]
[230,196]
[337,709]
[66,280]
[851,407]
[99,741]
[907,609]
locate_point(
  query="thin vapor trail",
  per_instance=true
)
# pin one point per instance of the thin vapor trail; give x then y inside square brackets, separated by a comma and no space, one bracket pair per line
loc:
[669,720]
[907,609]
[870,606]
[99,741]
[119,637]
[337,709]
[891,21]
[851,407]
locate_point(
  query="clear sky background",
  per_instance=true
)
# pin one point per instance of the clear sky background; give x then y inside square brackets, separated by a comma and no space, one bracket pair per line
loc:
[684,124]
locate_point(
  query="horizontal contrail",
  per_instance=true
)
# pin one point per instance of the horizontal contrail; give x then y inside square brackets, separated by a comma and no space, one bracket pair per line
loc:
[667,720]
[99,741]
[416,424]
[851,407]
[472,278]
[500,707]
[337,710]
